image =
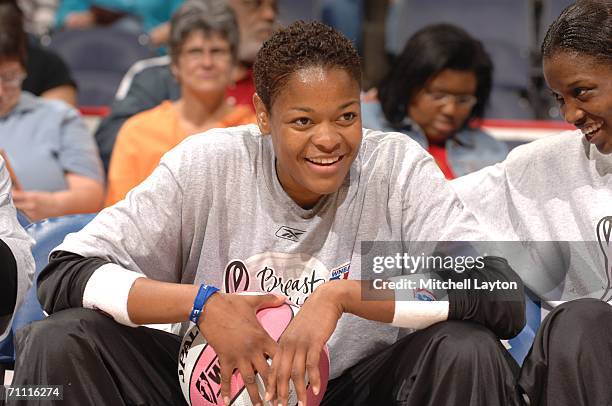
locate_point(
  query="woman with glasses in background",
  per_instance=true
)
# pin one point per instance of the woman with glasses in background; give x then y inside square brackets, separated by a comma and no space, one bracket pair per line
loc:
[440,82]
[54,158]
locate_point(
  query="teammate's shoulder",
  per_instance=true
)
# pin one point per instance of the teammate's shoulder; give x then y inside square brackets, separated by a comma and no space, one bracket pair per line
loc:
[549,148]
[153,116]
[551,143]
[230,137]
[221,142]
[50,107]
[389,142]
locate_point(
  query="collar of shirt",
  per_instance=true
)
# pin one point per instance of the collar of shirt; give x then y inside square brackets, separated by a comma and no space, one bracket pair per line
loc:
[27,102]
[461,137]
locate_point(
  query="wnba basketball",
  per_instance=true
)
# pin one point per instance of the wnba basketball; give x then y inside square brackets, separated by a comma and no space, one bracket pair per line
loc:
[199,372]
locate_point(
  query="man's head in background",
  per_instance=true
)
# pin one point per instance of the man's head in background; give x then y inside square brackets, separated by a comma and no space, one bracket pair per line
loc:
[256,21]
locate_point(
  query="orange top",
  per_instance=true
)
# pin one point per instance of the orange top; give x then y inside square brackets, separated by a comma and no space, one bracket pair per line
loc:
[145,138]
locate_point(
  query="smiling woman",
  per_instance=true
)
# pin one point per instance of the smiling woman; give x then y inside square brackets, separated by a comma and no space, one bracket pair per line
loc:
[582,85]
[560,189]
[283,208]
[578,70]
[315,139]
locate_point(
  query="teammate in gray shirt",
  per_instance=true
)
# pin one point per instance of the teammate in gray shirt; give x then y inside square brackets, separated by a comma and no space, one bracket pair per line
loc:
[281,207]
[16,262]
[559,189]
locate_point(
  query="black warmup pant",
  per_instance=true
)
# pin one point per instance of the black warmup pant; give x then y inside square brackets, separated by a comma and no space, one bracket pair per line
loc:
[570,362]
[100,362]
[8,280]
[450,363]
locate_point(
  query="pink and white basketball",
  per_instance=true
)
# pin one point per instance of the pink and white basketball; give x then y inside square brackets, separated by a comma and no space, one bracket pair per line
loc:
[200,375]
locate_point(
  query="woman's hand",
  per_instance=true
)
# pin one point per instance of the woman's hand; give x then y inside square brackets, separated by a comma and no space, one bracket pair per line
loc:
[84,195]
[79,20]
[36,205]
[301,344]
[159,35]
[229,324]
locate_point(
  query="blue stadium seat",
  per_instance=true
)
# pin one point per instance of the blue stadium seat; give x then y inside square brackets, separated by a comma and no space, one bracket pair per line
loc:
[506,28]
[551,9]
[291,10]
[47,235]
[521,344]
[344,15]
[98,58]
[23,219]
[509,103]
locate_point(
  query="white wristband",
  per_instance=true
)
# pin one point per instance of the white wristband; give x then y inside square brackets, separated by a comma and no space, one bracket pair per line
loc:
[108,289]
[419,314]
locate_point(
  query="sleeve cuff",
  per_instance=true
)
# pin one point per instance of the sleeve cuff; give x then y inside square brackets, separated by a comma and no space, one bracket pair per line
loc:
[108,289]
[418,314]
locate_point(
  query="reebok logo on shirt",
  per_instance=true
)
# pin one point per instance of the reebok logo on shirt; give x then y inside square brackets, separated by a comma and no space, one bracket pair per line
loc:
[288,233]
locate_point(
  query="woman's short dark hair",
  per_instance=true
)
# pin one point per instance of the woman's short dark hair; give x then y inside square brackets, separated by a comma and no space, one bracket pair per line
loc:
[427,53]
[298,46]
[12,36]
[207,16]
[584,27]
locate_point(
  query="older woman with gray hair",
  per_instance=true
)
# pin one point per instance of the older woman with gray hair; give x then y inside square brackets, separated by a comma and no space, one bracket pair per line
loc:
[203,47]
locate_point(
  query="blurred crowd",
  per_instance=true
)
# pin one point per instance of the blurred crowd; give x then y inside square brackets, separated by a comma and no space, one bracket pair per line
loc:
[164,70]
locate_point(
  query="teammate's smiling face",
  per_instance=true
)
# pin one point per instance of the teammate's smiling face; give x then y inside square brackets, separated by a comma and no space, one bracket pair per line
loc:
[582,85]
[315,125]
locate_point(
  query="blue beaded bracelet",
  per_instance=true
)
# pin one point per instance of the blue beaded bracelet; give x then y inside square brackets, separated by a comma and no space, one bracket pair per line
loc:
[204,293]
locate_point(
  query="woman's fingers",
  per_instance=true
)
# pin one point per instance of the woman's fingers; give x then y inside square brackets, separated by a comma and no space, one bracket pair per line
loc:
[261,367]
[248,368]
[227,369]
[283,373]
[271,380]
[297,375]
[312,367]
[250,382]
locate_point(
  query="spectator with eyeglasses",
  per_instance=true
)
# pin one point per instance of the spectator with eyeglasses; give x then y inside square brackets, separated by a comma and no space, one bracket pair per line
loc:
[47,74]
[439,83]
[204,51]
[150,81]
[54,158]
